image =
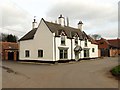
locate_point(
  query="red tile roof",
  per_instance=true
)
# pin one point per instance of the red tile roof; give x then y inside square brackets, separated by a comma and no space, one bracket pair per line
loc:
[111,42]
[114,42]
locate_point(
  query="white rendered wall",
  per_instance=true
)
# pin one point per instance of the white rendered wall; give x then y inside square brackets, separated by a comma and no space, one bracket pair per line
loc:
[90,46]
[67,45]
[43,40]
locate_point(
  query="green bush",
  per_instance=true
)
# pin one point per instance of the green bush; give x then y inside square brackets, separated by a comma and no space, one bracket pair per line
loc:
[116,71]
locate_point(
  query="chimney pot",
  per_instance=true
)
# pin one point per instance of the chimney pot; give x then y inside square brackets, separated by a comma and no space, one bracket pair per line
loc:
[34,23]
[80,25]
[61,20]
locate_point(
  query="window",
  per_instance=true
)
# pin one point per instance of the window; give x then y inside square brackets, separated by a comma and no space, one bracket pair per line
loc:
[101,42]
[27,53]
[62,40]
[63,54]
[93,50]
[85,42]
[86,53]
[76,40]
[40,53]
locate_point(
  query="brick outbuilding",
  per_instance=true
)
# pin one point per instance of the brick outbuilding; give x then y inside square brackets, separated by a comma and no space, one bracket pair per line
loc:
[109,47]
[9,51]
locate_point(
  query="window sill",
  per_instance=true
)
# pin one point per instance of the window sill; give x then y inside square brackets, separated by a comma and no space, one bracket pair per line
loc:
[63,45]
[40,57]
[64,59]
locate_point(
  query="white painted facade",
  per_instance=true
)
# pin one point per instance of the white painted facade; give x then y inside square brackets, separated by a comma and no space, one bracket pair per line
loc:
[45,40]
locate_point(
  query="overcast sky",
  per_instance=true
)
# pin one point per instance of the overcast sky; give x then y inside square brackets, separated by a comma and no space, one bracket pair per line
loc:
[98,16]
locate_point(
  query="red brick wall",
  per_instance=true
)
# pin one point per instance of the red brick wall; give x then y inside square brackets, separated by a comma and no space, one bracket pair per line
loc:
[114,52]
[102,44]
[8,45]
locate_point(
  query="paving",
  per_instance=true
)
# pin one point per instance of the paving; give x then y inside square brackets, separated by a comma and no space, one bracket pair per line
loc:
[83,74]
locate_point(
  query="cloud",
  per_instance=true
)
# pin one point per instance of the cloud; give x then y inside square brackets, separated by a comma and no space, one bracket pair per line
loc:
[95,15]
[14,19]
[98,16]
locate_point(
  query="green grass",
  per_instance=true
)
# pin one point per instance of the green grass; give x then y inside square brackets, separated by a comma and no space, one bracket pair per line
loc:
[116,71]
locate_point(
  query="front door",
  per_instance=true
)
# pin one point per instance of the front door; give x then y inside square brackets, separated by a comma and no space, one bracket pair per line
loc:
[76,56]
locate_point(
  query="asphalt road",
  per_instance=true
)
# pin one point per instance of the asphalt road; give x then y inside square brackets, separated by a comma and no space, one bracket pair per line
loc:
[83,74]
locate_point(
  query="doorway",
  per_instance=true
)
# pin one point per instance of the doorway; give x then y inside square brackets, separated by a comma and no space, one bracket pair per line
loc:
[76,56]
[10,55]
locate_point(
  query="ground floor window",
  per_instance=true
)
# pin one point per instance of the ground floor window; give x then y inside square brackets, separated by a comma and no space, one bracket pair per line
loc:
[86,53]
[63,54]
[27,53]
[93,50]
[40,53]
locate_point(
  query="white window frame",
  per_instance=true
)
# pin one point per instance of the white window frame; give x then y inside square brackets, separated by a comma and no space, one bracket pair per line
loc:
[64,51]
[86,43]
[40,53]
[63,38]
[27,53]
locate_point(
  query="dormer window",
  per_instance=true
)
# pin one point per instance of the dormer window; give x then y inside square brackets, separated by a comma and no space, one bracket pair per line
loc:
[76,40]
[62,38]
[85,42]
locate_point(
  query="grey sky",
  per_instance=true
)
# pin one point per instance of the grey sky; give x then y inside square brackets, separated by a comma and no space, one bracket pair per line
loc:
[98,16]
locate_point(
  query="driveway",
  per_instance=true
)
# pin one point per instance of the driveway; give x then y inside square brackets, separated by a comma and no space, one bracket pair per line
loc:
[82,74]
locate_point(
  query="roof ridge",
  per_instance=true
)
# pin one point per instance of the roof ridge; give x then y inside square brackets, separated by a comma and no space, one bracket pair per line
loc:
[60,25]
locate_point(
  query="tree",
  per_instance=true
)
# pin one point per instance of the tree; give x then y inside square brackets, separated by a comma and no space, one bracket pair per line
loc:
[96,36]
[8,37]
[3,37]
[11,38]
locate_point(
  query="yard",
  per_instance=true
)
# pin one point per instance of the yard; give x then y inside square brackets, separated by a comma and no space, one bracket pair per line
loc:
[82,74]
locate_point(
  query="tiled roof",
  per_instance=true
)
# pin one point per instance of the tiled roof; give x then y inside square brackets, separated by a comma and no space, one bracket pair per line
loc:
[57,29]
[111,42]
[70,32]
[29,35]
[114,42]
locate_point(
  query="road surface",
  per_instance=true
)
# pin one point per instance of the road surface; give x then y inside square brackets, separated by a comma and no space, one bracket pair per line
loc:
[82,74]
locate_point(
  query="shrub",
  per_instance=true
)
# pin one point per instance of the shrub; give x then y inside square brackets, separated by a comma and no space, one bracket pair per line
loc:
[116,71]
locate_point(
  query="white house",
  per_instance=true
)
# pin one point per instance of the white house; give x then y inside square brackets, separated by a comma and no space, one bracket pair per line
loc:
[54,42]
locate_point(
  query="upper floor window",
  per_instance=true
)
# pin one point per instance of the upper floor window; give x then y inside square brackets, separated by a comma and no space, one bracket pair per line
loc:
[27,53]
[62,38]
[85,42]
[40,53]
[76,40]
